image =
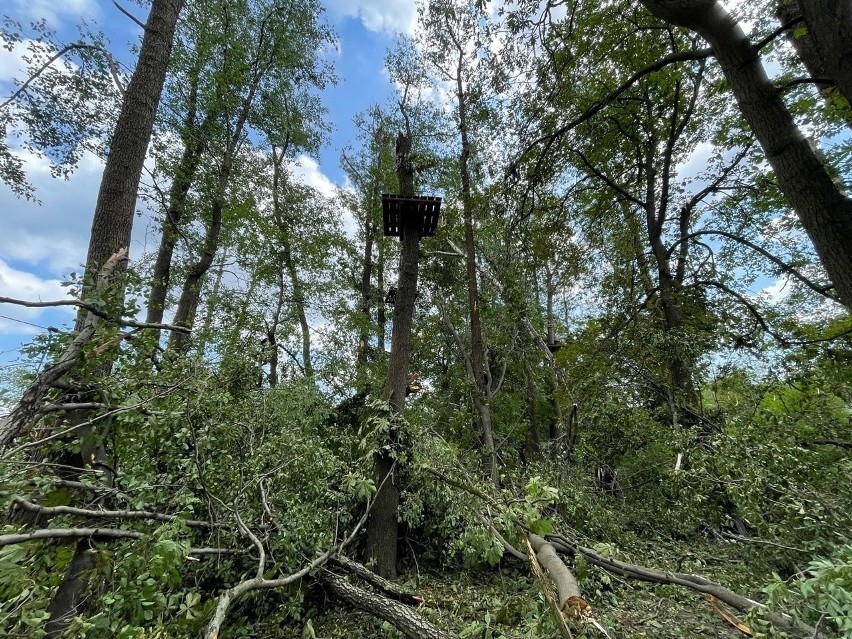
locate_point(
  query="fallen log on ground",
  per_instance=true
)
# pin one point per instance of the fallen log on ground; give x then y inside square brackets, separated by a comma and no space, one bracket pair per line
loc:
[694,582]
[570,602]
[401,617]
[388,588]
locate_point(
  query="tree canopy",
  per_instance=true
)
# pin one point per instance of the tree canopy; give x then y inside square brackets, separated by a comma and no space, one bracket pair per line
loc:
[611,396]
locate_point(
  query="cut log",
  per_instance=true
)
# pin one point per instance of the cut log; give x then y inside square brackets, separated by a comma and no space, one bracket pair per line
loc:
[694,582]
[570,601]
[399,616]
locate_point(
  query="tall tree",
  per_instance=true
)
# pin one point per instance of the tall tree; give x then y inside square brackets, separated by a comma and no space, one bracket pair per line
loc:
[254,69]
[822,205]
[453,42]
[113,222]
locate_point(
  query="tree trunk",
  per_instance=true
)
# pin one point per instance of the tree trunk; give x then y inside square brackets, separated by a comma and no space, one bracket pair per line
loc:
[477,346]
[366,288]
[371,237]
[116,203]
[299,307]
[214,295]
[807,51]
[825,211]
[182,182]
[829,25]
[532,443]
[71,592]
[112,223]
[272,332]
[404,619]
[569,599]
[381,315]
[383,525]
[191,293]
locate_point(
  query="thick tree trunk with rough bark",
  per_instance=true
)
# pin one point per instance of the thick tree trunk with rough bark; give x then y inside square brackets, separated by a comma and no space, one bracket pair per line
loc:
[116,204]
[808,52]
[829,24]
[113,219]
[401,617]
[825,210]
[382,528]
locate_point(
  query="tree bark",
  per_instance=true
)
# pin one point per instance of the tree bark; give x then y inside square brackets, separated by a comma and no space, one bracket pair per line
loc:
[191,294]
[824,210]
[829,25]
[408,622]
[299,306]
[366,287]
[477,345]
[382,528]
[112,223]
[807,51]
[178,192]
[116,204]
[569,599]
[371,237]
[693,582]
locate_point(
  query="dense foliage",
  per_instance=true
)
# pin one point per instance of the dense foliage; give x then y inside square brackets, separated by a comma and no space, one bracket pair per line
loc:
[645,359]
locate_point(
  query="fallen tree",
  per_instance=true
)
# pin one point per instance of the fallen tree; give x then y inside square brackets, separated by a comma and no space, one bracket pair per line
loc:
[404,619]
[564,546]
[693,582]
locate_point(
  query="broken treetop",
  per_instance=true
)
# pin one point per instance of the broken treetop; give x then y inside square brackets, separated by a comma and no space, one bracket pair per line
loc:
[410,210]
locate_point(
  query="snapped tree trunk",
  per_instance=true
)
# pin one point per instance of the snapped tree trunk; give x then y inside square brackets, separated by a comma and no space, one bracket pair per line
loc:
[112,223]
[823,208]
[382,528]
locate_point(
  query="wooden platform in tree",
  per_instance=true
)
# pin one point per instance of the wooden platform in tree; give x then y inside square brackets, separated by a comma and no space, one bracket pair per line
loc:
[419,211]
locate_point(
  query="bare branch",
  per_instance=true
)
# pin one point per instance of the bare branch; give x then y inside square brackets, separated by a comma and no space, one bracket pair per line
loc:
[55,408]
[96,533]
[129,15]
[786,268]
[95,311]
[106,514]
[260,583]
[784,27]
[550,139]
[116,76]
[42,68]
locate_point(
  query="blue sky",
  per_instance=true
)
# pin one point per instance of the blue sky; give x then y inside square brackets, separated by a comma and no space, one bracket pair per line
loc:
[40,245]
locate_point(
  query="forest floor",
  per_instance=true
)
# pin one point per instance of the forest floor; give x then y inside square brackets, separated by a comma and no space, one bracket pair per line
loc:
[507,601]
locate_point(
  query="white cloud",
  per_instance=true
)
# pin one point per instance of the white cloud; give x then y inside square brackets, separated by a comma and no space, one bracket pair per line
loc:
[54,234]
[26,286]
[307,171]
[52,11]
[381,16]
